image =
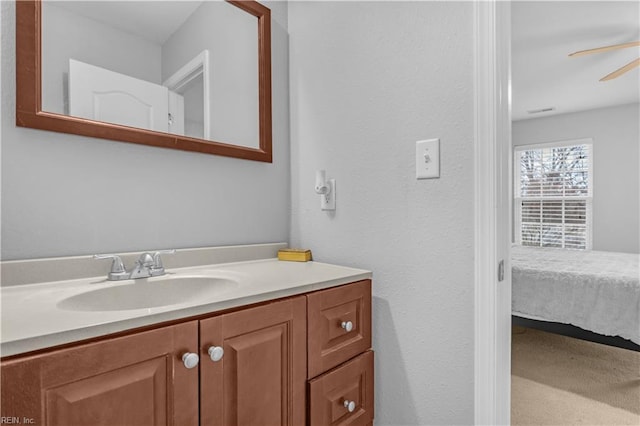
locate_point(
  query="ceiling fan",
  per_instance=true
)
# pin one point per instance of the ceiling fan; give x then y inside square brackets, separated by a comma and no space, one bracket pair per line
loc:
[617,73]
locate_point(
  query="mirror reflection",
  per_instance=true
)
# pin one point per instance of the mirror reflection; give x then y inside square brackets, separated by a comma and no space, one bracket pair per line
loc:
[182,67]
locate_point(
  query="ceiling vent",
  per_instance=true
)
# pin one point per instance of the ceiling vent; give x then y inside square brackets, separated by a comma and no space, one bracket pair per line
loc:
[538,111]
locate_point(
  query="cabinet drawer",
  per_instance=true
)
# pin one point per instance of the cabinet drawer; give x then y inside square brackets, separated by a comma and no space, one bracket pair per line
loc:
[329,341]
[351,382]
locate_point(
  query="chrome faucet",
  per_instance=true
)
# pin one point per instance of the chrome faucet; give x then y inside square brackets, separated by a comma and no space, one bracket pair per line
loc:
[146,266]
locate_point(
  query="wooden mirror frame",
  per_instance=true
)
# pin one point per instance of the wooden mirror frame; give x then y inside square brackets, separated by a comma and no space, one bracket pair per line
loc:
[29,111]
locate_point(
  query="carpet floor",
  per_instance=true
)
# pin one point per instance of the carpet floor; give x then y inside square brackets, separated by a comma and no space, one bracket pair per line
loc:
[559,380]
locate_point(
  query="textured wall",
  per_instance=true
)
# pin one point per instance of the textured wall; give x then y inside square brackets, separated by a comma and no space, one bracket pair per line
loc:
[68,35]
[233,93]
[65,194]
[616,176]
[367,81]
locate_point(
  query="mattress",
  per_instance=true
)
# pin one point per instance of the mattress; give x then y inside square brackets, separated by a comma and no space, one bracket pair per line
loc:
[594,290]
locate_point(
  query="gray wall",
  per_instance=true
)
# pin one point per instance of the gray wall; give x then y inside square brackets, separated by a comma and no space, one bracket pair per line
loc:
[68,195]
[231,37]
[616,175]
[68,35]
[367,81]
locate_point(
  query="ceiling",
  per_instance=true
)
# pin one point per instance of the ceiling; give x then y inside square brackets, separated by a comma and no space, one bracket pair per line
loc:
[545,32]
[154,21]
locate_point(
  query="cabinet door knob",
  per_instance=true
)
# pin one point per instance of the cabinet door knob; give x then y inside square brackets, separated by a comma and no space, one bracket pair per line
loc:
[347,325]
[190,359]
[349,405]
[216,353]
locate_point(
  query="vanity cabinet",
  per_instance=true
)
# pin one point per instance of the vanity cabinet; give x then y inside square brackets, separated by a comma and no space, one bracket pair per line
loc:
[340,360]
[141,379]
[132,380]
[295,361]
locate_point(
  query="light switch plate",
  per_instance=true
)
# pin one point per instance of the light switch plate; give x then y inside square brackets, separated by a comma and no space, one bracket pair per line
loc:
[428,159]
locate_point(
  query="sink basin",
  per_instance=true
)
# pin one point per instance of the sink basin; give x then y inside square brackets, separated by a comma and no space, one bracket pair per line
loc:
[148,293]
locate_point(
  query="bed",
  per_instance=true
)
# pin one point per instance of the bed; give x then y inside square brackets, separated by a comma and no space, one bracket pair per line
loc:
[594,290]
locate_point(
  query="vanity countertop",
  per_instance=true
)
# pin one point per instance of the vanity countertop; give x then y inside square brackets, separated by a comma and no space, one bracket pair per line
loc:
[32,316]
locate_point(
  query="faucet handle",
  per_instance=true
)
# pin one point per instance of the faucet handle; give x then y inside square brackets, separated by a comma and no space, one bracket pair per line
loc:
[145,259]
[118,272]
[157,260]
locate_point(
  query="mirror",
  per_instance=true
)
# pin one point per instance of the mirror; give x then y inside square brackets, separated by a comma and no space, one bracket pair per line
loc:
[190,75]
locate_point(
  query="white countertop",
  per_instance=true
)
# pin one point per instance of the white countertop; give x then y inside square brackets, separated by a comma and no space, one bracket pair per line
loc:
[32,318]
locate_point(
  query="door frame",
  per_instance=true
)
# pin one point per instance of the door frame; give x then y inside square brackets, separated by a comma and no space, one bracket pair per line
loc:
[196,67]
[492,333]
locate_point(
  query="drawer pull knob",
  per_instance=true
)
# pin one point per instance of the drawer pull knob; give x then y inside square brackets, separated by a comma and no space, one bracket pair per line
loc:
[190,359]
[216,353]
[347,325]
[349,405]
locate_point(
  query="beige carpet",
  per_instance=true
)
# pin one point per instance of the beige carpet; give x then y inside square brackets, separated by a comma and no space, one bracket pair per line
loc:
[558,380]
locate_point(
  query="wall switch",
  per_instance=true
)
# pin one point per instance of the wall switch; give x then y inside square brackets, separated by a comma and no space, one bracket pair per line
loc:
[428,159]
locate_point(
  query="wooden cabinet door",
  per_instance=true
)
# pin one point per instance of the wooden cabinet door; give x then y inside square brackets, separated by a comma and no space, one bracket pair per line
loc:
[343,396]
[260,380]
[131,380]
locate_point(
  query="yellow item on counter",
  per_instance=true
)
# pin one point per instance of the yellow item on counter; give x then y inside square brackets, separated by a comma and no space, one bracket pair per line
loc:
[295,255]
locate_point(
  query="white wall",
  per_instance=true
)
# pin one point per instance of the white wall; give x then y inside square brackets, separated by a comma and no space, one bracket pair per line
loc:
[68,35]
[231,36]
[616,171]
[367,81]
[66,195]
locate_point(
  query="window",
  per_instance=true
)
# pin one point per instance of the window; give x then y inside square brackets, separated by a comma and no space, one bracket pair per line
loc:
[553,194]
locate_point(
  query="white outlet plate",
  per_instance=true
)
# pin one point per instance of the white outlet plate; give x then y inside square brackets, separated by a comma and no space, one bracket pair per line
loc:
[328,201]
[428,159]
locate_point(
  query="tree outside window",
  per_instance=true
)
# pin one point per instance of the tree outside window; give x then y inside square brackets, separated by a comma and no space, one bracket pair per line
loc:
[553,195]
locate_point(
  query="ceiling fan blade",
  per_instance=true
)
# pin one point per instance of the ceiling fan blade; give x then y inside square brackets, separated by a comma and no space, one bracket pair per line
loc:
[620,71]
[605,48]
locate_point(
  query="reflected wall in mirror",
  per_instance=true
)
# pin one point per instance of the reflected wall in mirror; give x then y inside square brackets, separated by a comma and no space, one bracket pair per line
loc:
[191,75]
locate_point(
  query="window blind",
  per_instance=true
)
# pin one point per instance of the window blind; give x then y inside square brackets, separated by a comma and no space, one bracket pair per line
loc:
[553,195]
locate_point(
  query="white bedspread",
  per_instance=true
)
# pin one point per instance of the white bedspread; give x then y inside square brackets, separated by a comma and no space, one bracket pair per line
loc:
[594,290]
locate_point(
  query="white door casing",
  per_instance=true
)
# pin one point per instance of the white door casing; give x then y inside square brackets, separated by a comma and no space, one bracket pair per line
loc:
[178,81]
[492,358]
